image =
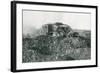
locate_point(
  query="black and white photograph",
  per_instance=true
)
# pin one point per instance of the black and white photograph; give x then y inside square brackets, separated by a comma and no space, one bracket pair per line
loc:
[48,36]
[56,36]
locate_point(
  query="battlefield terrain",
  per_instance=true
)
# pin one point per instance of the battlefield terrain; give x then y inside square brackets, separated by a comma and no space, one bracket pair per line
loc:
[56,42]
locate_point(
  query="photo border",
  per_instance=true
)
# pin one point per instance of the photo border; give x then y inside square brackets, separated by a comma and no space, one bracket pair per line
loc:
[14,36]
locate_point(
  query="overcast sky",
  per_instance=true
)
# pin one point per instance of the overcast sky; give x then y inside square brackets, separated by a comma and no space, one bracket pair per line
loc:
[38,18]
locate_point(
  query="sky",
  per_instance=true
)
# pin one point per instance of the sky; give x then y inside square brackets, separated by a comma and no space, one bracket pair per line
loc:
[35,19]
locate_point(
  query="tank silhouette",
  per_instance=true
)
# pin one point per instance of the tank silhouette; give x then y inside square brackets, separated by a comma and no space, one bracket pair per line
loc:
[57,29]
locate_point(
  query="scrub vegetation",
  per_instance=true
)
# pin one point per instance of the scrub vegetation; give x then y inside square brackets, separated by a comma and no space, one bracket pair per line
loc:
[56,42]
